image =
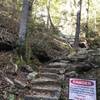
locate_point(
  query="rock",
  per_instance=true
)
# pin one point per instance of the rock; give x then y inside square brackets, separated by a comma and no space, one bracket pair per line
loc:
[71,74]
[82,51]
[72,59]
[61,77]
[71,55]
[79,58]
[32,76]
[19,84]
[11,68]
[64,61]
[40,97]
[94,56]
[94,65]
[58,64]
[83,67]
[49,75]
[7,40]
[90,51]
[98,49]
[62,71]
[82,58]
[9,81]
[52,70]
[26,68]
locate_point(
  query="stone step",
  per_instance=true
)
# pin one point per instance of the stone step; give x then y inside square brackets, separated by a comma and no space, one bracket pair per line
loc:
[47,91]
[48,87]
[44,79]
[39,97]
[46,82]
[40,93]
[56,65]
[53,76]
[64,61]
[51,70]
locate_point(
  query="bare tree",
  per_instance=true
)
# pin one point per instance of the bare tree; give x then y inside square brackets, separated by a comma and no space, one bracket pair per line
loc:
[76,42]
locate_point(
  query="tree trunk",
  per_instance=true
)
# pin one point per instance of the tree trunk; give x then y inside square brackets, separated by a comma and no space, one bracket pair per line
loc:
[51,23]
[49,20]
[23,22]
[23,30]
[95,21]
[87,24]
[76,42]
[28,41]
[48,15]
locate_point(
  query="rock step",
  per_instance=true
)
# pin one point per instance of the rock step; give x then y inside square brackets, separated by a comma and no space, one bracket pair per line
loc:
[39,97]
[56,65]
[48,87]
[64,61]
[51,70]
[50,75]
[51,92]
[48,82]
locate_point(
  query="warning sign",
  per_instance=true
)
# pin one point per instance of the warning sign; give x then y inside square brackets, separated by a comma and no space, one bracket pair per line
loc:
[80,89]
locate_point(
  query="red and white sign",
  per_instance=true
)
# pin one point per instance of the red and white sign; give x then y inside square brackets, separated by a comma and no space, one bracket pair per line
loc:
[80,89]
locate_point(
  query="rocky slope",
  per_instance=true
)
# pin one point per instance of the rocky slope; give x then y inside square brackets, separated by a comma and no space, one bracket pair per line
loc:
[50,81]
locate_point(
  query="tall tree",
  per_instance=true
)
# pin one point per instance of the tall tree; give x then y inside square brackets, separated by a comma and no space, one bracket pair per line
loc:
[23,22]
[95,22]
[23,30]
[49,20]
[28,42]
[87,25]
[48,13]
[76,41]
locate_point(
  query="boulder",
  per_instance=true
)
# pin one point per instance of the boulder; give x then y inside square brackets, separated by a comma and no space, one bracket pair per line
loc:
[83,67]
[32,76]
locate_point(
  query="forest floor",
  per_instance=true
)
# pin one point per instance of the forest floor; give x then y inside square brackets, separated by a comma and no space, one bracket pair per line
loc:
[50,80]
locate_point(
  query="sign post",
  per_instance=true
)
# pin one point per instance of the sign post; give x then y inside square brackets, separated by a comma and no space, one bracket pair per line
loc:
[81,89]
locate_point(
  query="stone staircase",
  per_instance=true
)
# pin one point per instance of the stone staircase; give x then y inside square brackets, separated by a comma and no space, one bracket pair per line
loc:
[48,85]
